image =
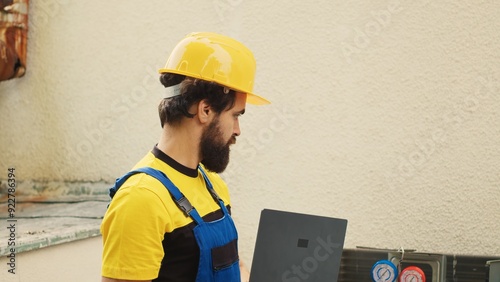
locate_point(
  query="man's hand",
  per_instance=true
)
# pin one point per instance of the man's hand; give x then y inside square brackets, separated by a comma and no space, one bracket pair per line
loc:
[245,274]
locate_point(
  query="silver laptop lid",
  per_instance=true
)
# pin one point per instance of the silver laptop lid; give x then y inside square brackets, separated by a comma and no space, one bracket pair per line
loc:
[293,247]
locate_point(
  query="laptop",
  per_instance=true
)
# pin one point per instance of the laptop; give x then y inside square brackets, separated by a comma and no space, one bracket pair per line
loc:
[293,247]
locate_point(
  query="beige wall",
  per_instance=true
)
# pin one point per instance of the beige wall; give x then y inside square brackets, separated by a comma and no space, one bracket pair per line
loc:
[79,261]
[384,112]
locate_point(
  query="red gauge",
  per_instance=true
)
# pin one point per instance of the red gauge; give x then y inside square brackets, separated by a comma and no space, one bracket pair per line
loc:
[412,274]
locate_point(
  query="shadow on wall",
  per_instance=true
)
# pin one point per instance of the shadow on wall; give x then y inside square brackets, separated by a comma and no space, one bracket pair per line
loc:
[13,35]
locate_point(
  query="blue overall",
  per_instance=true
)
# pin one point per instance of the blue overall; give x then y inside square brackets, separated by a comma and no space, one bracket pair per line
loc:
[217,240]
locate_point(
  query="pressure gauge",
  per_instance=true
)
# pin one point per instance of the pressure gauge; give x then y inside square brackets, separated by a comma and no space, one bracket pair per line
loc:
[384,271]
[412,274]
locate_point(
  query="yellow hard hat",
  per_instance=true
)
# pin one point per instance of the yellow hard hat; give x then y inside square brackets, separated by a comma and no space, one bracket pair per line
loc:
[218,58]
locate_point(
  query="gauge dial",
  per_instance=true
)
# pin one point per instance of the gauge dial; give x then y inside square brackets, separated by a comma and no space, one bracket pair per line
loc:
[412,274]
[384,271]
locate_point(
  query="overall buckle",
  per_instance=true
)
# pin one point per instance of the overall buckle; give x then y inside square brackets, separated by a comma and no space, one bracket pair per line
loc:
[185,205]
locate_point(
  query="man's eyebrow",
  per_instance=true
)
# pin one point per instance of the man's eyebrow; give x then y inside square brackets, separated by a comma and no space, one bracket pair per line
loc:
[240,112]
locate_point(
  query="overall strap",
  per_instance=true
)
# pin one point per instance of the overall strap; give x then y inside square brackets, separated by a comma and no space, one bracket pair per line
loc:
[181,201]
[212,191]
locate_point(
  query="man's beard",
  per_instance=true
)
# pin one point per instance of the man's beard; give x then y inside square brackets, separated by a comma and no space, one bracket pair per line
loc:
[214,150]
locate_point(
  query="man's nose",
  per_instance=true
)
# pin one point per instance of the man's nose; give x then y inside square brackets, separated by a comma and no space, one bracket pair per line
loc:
[236,130]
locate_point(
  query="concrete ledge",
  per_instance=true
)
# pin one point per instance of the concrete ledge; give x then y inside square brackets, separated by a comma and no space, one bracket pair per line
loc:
[48,214]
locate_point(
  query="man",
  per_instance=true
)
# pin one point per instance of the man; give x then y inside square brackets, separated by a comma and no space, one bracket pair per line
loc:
[169,219]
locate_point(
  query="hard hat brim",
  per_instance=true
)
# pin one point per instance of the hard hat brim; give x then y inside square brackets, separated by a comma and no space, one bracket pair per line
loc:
[252,98]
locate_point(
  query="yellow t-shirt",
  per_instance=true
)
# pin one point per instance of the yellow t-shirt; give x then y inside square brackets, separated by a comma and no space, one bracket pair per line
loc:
[142,212]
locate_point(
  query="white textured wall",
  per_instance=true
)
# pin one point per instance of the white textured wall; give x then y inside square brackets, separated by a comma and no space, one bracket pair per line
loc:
[384,112]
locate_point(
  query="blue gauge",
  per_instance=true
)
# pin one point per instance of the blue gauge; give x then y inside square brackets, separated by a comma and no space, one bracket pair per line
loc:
[384,271]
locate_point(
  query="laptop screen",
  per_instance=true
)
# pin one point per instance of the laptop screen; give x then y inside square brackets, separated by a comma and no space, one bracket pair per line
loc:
[295,247]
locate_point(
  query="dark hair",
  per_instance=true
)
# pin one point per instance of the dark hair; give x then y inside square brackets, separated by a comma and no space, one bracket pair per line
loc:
[193,90]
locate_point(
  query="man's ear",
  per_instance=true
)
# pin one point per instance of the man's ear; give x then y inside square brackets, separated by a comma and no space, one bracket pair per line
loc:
[204,111]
